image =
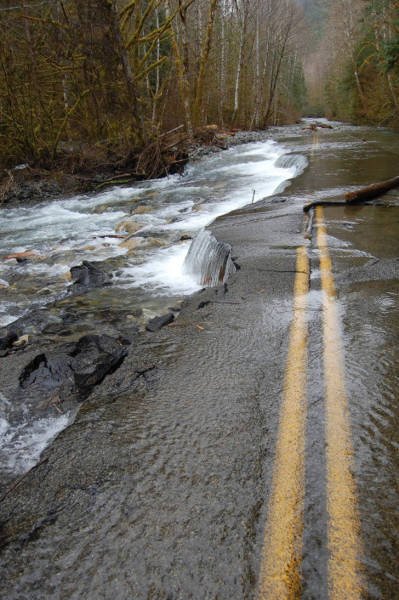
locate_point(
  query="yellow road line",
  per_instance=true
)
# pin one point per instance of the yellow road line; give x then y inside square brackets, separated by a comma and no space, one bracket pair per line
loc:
[282,550]
[343,521]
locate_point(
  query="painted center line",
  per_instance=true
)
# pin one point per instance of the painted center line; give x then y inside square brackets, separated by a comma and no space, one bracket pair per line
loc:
[280,573]
[343,521]
[282,548]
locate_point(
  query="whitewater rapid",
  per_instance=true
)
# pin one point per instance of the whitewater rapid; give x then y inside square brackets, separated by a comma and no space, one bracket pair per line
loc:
[148,275]
[62,233]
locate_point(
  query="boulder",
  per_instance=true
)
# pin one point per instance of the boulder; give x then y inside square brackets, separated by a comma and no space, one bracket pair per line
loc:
[158,322]
[87,275]
[142,210]
[73,370]
[95,357]
[67,276]
[128,226]
[21,342]
[152,242]
[7,340]
[131,243]
[47,373]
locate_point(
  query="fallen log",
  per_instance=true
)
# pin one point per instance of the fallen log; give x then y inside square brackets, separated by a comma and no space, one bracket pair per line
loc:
[23,256]
[311,205]
[372,191]
[357,197]
[323,125]
[317,125]
[179,128]
[125,179]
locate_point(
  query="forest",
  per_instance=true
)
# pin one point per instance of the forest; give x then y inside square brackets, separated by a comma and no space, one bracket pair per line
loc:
[88,82]
[352,68]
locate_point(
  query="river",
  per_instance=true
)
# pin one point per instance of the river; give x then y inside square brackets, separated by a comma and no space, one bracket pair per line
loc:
[148,269]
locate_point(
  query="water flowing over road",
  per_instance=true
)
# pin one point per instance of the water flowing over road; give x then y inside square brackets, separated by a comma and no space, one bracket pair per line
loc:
[248,450]
[148,268]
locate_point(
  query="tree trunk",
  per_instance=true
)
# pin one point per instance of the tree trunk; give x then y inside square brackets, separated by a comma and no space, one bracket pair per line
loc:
[239,65]
[206,48]
[222,72]
[183,83]
[127,70]
[372,191]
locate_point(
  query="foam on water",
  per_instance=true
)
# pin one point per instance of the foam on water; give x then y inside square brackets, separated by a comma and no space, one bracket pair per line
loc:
[162,273]
[9,312]
[66,232]
[22,445]
[249,169]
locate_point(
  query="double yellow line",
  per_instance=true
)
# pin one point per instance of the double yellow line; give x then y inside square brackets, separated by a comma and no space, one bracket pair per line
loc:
[280,576]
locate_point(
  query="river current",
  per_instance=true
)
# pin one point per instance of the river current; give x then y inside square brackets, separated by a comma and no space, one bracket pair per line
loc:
[147,266]
[150,264]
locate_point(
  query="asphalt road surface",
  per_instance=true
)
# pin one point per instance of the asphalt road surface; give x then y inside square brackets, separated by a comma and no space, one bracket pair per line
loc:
[250,450]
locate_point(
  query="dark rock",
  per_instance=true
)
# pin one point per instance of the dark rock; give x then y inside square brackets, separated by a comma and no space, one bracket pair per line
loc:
[159,322]
[150,234]
[6,341]
[87,275]
[186,237]
[75,368]
[95,357]
[47,373]
[203,304]
[235,263]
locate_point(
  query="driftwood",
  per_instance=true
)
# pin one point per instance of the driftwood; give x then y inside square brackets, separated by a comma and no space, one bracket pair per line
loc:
[179,128]
[125,179]
[324,125]
[316,125]
[372,191]
[6,186]
[311,205]
[22,256]
[359,196]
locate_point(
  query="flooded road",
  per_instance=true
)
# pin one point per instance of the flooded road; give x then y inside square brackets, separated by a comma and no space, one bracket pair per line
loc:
[367,296]
[250,450]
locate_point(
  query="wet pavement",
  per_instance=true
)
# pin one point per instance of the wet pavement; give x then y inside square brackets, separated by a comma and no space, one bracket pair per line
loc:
[162,488]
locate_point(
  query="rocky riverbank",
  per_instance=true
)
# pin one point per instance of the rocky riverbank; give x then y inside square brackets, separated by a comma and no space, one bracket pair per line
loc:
[25,185]
[88,280]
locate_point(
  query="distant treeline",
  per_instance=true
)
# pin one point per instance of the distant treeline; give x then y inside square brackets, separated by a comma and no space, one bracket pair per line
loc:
[354,72]
[110,76]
